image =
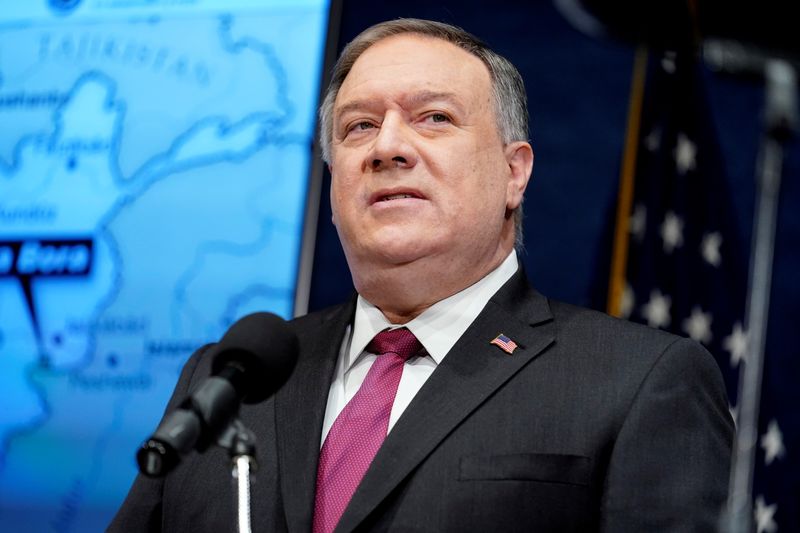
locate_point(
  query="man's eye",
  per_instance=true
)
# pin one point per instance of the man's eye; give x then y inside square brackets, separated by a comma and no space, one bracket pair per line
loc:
[439,117]
[363,125]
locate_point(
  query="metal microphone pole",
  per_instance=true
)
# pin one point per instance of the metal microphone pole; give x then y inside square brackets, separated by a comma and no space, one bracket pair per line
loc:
[780,121]
[240,443]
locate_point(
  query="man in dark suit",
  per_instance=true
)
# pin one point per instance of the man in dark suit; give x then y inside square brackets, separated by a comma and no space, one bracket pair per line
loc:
[502,410]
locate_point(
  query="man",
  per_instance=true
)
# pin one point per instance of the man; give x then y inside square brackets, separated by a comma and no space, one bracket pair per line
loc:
[511,412]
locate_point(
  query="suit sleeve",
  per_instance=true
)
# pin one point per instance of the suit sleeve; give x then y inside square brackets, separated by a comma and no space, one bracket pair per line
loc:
[141,510]
[669,466]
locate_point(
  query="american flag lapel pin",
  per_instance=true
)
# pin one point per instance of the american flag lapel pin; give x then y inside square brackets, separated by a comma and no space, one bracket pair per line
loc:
[504,343]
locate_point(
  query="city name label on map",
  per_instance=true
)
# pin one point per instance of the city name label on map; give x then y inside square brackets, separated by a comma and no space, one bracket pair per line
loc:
[31,258]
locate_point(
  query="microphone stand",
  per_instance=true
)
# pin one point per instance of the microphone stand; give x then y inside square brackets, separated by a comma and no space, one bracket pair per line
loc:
[241,445]
[780,122]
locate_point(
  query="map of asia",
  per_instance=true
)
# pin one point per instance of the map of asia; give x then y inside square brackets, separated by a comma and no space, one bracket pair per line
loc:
[154,163]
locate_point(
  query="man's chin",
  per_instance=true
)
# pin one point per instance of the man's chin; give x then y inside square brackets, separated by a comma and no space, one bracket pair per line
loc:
[400,251]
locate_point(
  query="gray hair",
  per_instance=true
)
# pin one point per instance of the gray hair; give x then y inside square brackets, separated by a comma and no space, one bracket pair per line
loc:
[508,90]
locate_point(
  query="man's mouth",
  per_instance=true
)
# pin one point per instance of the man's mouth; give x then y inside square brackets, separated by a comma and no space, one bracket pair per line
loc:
[396,197]
[389,195]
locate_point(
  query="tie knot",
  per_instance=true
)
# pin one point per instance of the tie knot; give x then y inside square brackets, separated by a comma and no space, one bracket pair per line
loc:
[397,341]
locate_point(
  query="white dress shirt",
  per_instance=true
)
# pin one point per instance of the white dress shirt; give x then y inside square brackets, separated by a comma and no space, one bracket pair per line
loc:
[437,329]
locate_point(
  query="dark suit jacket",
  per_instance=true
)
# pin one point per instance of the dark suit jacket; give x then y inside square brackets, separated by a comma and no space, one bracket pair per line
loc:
[593,424]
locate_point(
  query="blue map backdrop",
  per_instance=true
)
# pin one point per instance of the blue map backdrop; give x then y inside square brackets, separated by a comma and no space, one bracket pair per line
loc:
[154,163]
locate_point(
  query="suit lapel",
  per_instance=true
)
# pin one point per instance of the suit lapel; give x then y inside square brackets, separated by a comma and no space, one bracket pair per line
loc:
[300,409]
[467,376]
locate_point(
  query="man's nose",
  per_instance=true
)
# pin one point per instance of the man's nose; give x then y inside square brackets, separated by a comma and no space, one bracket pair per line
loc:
[392,147]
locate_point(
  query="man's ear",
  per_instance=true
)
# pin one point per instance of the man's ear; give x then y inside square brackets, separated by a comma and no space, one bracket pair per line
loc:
[519,156]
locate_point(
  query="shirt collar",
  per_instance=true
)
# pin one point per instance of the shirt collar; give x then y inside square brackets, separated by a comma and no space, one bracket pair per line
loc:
[438,327]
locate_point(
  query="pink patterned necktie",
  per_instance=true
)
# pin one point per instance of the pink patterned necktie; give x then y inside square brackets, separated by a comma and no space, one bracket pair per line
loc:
[359,430]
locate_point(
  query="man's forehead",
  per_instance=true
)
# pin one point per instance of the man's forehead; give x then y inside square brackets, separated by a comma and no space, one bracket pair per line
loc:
[436,68]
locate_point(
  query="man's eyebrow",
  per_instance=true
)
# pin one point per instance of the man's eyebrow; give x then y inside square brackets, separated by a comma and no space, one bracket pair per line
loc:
[353,105]
[414,100]
[424,97]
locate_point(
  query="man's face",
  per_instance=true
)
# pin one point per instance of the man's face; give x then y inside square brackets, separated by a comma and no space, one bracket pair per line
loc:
[419,169]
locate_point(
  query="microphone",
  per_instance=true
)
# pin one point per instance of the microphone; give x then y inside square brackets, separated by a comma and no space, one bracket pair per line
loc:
[253,360]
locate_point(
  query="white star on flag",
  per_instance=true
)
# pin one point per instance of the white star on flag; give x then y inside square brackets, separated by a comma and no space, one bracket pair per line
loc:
[698,325]
[710,248]
[637,223]
[653,140]
[672,232]
[772,442]
[656,311]
[765,516]
[685,154]
[668,61]
[736,344]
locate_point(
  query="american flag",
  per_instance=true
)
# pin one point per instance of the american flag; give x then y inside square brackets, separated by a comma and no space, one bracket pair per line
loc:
[504,343]
[680,263]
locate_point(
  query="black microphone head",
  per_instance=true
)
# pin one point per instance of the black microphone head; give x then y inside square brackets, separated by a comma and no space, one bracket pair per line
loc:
[263,347]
